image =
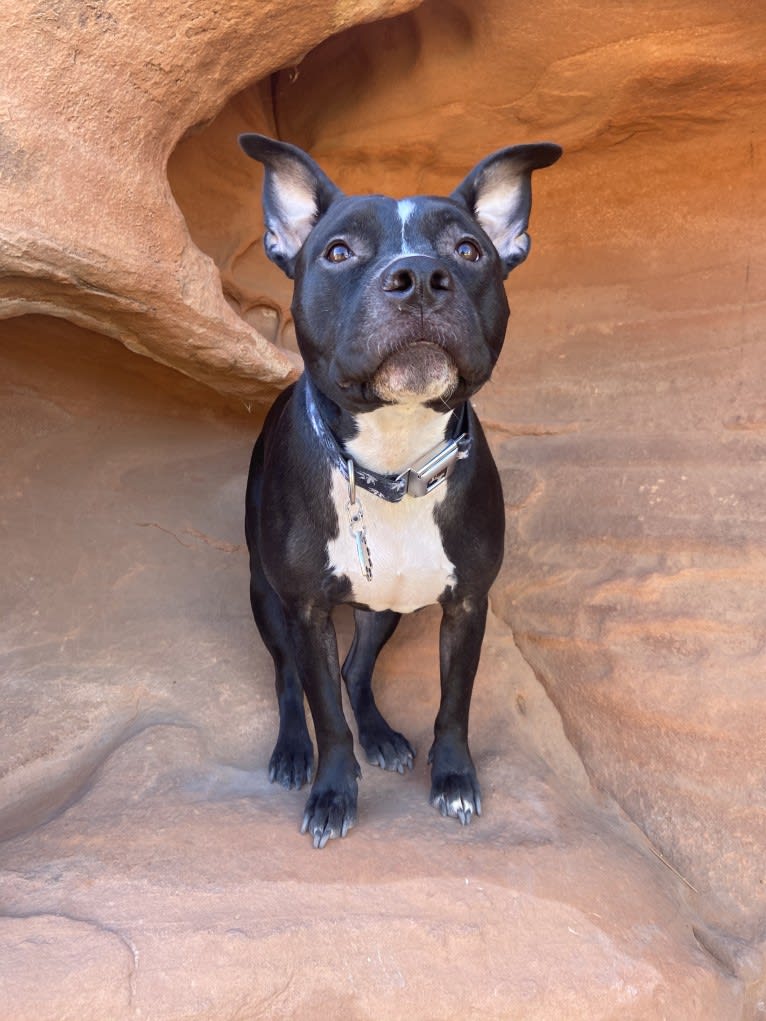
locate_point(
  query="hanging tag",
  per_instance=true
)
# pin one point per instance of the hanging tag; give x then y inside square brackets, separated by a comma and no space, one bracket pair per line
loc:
[357,526]
[359,532]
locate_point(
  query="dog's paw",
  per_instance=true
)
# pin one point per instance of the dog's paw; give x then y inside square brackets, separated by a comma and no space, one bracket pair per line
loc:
[387,748]
[292,761]
[330,812]
[457,795]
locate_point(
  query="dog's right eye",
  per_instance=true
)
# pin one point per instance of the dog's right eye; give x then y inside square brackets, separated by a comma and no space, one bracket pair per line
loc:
[338,252]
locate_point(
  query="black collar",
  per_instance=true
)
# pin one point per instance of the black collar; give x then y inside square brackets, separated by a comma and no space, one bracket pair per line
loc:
[421,478]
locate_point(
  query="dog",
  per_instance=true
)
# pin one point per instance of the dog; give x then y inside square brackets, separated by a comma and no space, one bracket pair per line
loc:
[372,482]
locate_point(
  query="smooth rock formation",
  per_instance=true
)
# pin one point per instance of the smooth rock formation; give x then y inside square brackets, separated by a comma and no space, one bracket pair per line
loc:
[97,96]
[163,876]
[629,401]
[144,852]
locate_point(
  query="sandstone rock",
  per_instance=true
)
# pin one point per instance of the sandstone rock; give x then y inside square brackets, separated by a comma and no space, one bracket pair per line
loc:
[627,415]
[96,97]
[60,969]
[628,405]
[166,878]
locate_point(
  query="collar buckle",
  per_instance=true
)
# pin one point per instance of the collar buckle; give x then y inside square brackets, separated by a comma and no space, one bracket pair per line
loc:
[433,468]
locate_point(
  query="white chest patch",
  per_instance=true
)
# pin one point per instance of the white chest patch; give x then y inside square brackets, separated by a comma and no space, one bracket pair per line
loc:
[409,566]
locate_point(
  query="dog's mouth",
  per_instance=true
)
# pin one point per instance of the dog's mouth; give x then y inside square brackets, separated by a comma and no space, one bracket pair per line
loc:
[419,372]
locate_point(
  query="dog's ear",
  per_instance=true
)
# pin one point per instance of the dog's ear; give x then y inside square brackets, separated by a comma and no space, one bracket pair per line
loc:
[498,192]
[296,192]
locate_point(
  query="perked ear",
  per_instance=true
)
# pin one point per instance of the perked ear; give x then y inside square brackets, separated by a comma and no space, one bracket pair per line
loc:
[296,192]
[498,192]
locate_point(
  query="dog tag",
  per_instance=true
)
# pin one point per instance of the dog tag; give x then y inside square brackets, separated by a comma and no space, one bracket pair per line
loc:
[359,532]
[356,524]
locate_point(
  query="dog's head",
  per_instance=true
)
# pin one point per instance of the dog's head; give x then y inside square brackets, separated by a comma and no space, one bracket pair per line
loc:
[398,301]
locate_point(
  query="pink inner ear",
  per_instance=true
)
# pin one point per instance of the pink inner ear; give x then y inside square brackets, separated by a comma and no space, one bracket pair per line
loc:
[500,210]
[294,211]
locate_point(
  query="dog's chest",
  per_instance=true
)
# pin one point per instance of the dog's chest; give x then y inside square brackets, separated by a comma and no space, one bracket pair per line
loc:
[410,568]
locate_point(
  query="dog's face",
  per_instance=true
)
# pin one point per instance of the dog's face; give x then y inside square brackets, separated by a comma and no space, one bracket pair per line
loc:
[398,301]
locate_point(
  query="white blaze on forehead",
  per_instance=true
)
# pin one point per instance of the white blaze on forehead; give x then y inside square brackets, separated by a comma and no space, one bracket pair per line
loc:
[405,208]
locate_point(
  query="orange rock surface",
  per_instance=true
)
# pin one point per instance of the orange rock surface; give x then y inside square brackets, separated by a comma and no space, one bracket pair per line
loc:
[620,867]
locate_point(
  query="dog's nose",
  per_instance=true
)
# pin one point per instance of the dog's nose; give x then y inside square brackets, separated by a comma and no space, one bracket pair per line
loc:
[417,278]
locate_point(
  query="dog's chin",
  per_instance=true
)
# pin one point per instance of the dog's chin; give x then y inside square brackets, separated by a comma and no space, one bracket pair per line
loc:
[419,373]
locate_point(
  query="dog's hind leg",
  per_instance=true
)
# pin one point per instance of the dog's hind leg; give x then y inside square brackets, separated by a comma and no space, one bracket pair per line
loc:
[383,746]
[292,761]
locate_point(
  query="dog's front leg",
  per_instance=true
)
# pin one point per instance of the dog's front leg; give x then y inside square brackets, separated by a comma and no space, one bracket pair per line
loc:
[331,807]
[454,787]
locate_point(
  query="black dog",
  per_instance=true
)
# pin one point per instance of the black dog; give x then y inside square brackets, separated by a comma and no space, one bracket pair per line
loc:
[372,482]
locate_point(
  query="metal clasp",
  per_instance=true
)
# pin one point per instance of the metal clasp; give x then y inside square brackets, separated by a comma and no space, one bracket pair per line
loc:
[432,469]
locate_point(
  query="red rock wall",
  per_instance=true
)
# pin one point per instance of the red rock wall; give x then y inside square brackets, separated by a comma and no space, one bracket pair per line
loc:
[628,410]
[97,96]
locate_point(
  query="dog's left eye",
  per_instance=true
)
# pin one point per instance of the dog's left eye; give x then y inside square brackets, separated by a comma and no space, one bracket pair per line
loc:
[468,250]
[338,252]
